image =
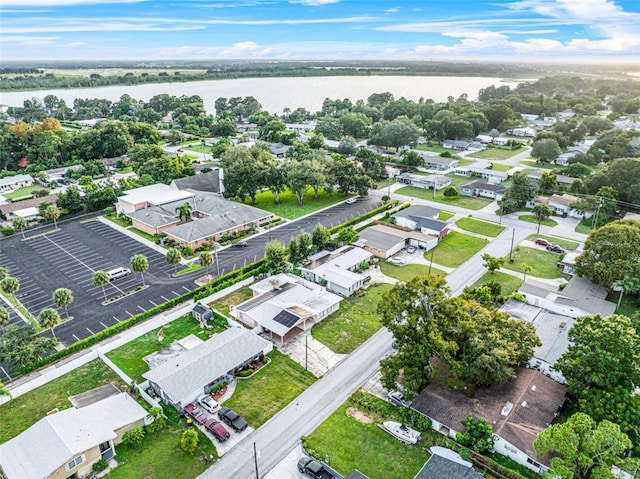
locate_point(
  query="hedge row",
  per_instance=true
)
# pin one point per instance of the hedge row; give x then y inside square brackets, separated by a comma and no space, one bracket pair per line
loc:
[363,217]
[198,293]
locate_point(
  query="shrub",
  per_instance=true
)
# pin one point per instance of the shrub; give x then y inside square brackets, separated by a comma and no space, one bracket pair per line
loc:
[134,437]
[445,154]
[189,441]
[450,191]
[245,373]
[101,465]
[187,251]
[218,387]
[7,230]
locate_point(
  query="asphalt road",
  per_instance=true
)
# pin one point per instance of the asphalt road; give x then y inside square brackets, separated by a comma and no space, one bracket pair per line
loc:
[278,436]
[69,257]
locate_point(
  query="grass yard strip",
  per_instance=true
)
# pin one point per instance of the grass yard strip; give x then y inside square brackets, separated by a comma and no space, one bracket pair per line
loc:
[18,305]
[117,220]
[471,203]
[445,215]
[223,305]
[509,283]
[542,262]
[22,412]
[565,243]
[480,227]
[44,233]
[128,357]
[501,167]
[289,208]
[629,305]
[496,153]
[143,234]
[265,393]
[456,248]
[189,269]
[160,456]
[23,193]
[533,219]
[408,271]
[354,323]
[359,443]
[546,166]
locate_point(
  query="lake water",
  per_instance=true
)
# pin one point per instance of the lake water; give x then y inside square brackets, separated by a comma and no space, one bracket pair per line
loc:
[274,94]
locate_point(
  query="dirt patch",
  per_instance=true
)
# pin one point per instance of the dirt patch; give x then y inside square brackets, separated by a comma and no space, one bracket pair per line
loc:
[359,415]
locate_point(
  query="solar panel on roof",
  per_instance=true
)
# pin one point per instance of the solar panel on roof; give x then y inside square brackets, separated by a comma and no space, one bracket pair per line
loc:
[286,318]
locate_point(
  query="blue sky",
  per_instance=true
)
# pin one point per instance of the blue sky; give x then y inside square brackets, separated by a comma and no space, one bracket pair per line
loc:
[501,30]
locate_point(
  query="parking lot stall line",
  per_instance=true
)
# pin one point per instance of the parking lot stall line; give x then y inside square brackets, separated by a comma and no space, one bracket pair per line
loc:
[128,313]
[104,325]
[153,303]
[141,308]
[164,298]
[115,319]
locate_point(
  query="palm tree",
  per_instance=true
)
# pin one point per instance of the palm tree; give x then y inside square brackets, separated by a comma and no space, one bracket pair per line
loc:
[3,273]
[628,284]
[100,278]
[49,318]
[52,212]
[19,223]
[10,285]
[184,212]
[526,269]
[206,260]
[3,390]
[63,297]
[173,257]
[139,263]
[4,317]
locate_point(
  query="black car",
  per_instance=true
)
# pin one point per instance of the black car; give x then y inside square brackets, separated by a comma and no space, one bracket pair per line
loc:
[231,418]
[554,248]
[240,244]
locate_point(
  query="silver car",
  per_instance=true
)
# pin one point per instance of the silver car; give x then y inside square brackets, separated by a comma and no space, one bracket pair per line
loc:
[208,403]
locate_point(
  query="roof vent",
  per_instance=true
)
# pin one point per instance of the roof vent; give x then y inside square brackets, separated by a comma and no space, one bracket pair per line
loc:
[524,404]
[533,388]
[507,408]
[563,325]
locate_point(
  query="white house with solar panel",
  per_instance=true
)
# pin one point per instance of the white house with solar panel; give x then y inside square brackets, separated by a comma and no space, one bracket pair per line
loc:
[285,305]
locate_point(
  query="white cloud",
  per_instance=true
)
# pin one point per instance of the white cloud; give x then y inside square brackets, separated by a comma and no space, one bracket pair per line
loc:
[313,3]
[101,27]
[76,44]
[23,38]
[392,10]
[60,3]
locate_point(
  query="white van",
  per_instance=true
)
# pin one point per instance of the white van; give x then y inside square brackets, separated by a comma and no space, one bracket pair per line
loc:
[118,273]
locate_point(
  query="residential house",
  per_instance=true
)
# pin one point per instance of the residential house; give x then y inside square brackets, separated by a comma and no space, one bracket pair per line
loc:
[523,132]
[210,182]
[90,123]
[384,241]
[566,114]
[246,127]
[553,331]
[580,297]
[391,171]
[285,305]
[27,209]
[446,463]
[486,139]
[484,170]
[193,372]
[544,123]
[58,174]
[568,262]
[458,145]
[427,182]
[483,189]
[304,127]
[501,141]
[423,219]
[337,270]
[201,313]
[279,150]
[439,163]
[11,183]
[561,205]
[66,444]
[562,180]
[572,151]
[529,116]
[518,410]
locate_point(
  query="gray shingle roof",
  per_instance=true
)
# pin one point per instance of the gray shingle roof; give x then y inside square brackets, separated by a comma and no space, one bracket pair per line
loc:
[192,370]
[438,467]
[483,185]
[209,182]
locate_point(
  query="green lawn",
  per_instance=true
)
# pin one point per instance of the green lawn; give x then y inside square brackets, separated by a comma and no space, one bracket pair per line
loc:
[542,262]
[533,219]
[126,169]
[436,148]
[445,215]
[354,323]
[468,202]
[160,456]
[629,305]
[565,243]
[224,304]
[119,221]
[289,208]
[480,227]
[408,271]
[546,166]
[262,395]
[509,283]
[456,180]
[198,147]
[501,167]
[25,192]
[143,234]
[128,357]
[351,444]
[492,153]
[22,412]
[456,248]
[464,161]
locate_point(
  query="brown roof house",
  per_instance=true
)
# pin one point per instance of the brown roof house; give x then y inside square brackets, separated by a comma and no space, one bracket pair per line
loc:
[518,411]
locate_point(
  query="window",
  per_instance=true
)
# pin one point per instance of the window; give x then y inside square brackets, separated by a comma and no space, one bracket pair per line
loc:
[75,462]
[532,462]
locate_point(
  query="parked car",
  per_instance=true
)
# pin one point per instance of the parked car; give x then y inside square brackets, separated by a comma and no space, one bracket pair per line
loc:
[398,261]
[554,248]
[217,429]
[231,418]
[411,249]
[351,201]
[313,468]
[542,242]
[195,413]
[208,403]
[240,244]
[397,398]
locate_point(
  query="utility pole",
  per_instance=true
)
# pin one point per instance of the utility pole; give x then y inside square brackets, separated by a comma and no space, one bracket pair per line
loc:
[255,459]
[594,223]
[431,262]
[215,253]
[501,212]
[513,235]
[306,350]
